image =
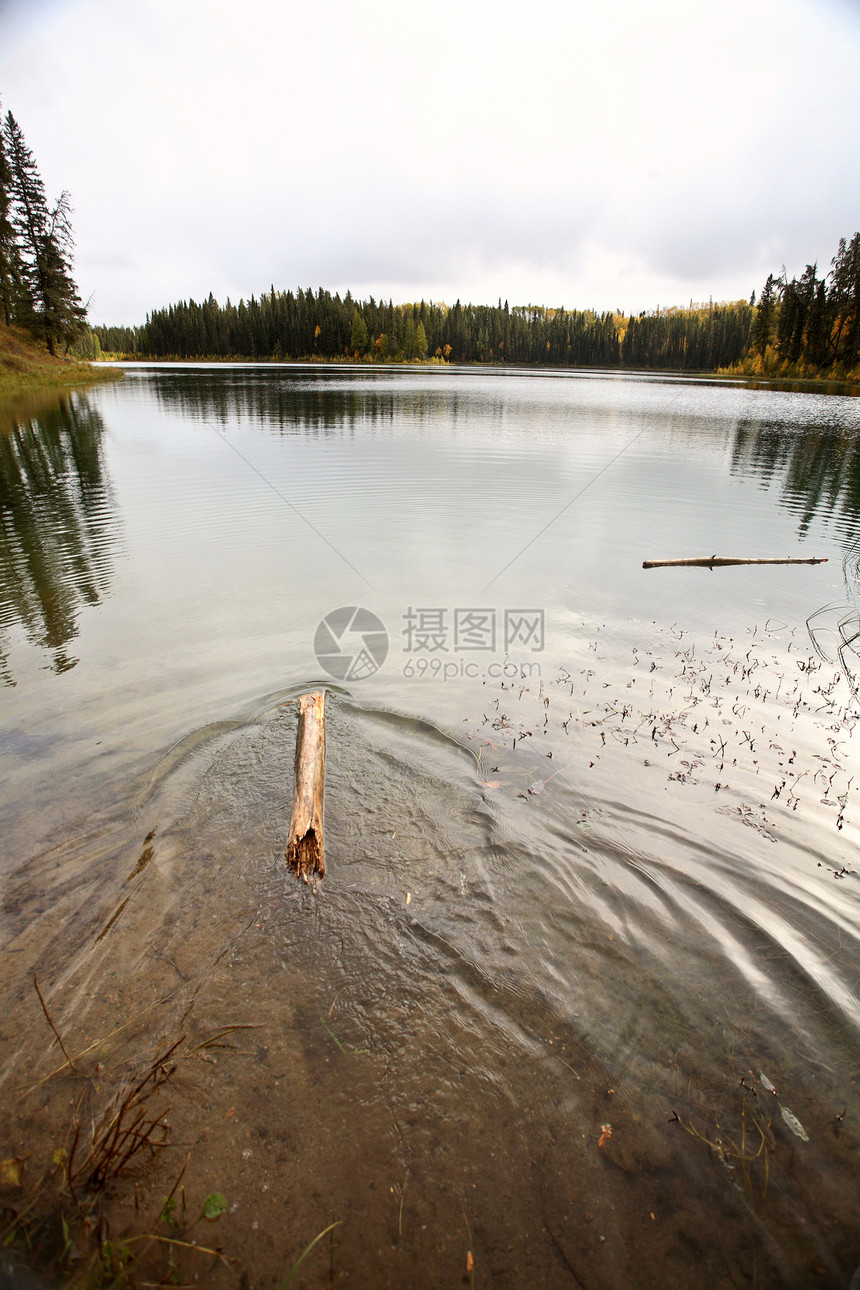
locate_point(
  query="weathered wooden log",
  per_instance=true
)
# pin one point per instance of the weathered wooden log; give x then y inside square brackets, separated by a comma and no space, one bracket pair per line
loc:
[305,846]
[718,561]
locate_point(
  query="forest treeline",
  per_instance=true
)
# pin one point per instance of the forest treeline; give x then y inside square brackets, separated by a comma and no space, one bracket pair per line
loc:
[810,326]
[308,324]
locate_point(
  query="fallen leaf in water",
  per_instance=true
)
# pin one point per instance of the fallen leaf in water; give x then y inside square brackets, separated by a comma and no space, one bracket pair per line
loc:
[214,1206]
[794,1124]
[11,1173]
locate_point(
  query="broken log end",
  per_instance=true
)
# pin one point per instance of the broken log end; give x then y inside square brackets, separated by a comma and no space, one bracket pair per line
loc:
[305,855]
[305,851]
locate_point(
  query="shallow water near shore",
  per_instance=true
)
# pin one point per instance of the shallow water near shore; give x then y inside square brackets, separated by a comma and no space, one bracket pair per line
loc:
[577,998]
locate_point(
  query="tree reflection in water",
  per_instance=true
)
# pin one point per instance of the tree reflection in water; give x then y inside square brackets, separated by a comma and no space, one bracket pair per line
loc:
[816,470]
[56,523]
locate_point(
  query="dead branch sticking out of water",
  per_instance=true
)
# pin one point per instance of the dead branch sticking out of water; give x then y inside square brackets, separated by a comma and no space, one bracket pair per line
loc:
[50,1022]
[305,847]
[130,1129]
[719,561]
[59,1218]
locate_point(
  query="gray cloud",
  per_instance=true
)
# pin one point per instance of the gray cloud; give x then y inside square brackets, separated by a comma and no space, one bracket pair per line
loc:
[565,153]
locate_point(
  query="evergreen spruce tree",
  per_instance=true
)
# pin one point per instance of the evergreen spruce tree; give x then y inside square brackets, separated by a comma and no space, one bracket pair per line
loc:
[65,315]
[805,296]
[790,319]
[853,338]
[49,304]
[8,246]
[409,337]
[844,301]
[29,219]
[358,334]
[765,312]
[816,327]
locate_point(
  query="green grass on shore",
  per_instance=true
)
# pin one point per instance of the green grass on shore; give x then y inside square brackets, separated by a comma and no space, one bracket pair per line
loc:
[26,365]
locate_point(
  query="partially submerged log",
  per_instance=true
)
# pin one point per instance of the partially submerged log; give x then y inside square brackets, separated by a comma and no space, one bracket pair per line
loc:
[305,845]
[718,561]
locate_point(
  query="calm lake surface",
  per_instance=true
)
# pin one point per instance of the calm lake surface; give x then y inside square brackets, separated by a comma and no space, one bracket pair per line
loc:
[578,996]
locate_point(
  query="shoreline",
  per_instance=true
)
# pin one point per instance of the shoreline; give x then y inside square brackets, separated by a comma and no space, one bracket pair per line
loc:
[73,380]
[833,384]
[26,367]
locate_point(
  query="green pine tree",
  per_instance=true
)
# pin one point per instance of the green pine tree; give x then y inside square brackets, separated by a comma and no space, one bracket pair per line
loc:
[844,302]
[358,334]
[65,315]
[409,337]
[49,304]
[765,314]
[9,274]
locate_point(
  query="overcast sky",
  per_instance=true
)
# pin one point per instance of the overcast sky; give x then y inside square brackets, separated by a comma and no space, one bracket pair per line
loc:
[560,152]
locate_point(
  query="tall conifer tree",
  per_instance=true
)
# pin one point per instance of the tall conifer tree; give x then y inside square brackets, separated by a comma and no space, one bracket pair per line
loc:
[64,313]
[49,303]
[8,245]
[29,218]
[767,304]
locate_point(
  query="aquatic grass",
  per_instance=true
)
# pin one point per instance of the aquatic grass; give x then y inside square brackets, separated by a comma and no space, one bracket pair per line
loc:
[344,1048]
[109,1262]
[50,1021]
[58,1221]
[100,1044]
[306,1251]
[727,1150]
[401,1191]
[128,1129]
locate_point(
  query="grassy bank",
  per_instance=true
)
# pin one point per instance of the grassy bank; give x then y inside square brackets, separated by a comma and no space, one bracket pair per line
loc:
[26,365]
[771,368]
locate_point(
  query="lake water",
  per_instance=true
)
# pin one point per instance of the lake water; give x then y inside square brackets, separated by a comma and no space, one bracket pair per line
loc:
[578,996]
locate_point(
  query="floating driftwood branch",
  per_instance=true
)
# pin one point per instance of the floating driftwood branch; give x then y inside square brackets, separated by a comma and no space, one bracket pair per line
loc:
[305,846]
[718,561]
